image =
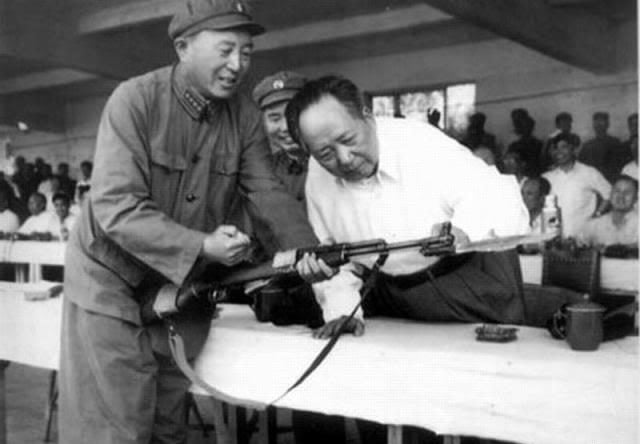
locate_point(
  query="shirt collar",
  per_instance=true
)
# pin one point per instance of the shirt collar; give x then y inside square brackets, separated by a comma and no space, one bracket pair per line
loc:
[191,100]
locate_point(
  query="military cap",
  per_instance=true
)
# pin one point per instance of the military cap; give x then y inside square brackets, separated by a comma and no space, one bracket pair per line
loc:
[278,87]
[196,15]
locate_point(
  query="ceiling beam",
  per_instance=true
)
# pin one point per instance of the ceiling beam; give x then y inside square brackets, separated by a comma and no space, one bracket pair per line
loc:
[43,79]
[351,27]
[128,14]
[575,37]
[112,58]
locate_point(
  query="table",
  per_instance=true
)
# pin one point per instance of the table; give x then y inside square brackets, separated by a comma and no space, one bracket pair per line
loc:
[29,256]
[29,334]
[534,390]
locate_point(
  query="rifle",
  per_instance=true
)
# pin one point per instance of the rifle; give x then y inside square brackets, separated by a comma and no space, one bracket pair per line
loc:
[170,298]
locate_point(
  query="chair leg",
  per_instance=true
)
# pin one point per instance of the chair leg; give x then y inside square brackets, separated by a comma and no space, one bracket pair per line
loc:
[52,403]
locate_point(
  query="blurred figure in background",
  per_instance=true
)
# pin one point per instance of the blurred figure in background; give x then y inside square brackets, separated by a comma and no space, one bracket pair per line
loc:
[512,163]
[477,136]
[527,146]
[563,122]
[485,154]
[534,190]
[582,191]
[67,184]
[620,225]
[39,219]
[604,152]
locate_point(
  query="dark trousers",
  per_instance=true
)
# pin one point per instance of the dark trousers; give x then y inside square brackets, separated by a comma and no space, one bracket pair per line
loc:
[484,287]
[114,389]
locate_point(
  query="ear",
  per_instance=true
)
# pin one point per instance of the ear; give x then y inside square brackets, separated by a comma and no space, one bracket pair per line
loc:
[366,112]
[181,44]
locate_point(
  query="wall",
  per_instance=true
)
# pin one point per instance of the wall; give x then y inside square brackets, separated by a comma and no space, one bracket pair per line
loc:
[507,76]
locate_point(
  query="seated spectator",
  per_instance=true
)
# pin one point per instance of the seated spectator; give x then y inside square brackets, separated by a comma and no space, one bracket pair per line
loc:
[581,189]
[39,220]
[564,122]
[9,222]
[534,190]
[485,154]
[620,225]
[631,169]
[527,146]
[604,152]
[512,164]
[63,221]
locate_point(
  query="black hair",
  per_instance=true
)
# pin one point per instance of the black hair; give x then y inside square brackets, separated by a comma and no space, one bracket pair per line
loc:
[563,116]
[340,88]
[570,138]
[543,184]
[601,115]
[61,196]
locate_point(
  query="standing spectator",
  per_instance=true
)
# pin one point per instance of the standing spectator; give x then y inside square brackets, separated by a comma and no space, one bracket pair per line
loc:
[512,164]
[527,145]
[534,190]
[620,225]
[46,174]
[631,169]
[564,122]
[477,136]
[67,184]
[632,123]
[84,183]
[485,154]
[604,152]
[581,189]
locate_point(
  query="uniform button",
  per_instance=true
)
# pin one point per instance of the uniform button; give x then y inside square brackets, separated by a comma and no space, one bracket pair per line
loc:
[191,197]
[195,158]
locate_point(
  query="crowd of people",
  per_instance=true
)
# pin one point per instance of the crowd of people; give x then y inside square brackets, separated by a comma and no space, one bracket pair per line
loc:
[37,204]
[595,182]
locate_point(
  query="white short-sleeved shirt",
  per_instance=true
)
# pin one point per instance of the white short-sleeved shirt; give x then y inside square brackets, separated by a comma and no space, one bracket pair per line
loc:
[602,231]
[577,191]
[37,224]
[9,222]
[424,177]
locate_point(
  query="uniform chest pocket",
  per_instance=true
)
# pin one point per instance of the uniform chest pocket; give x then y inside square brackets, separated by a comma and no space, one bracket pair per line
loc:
[167,171]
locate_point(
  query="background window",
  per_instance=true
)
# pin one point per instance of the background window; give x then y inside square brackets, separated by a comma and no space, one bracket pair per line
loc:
[454,102]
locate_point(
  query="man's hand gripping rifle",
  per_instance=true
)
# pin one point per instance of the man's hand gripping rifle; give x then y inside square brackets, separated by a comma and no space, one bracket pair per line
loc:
[170,299]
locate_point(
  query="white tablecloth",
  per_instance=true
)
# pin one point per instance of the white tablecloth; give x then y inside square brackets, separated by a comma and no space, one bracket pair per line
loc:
[29,330]
[534,390]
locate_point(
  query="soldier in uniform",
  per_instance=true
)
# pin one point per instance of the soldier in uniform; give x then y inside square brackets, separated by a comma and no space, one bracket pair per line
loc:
[174,147]
[290,161]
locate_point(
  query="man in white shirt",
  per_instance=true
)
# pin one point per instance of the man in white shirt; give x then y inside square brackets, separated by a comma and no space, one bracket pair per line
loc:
[581,189]
[620,225]
[40,220]
[534,190]
[63,221]
[9,222]
[400,179]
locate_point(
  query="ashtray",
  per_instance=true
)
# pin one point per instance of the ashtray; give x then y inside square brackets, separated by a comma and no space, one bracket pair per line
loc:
[496,333]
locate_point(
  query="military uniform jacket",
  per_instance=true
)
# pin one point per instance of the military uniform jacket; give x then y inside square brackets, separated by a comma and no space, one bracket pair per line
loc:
[168,165]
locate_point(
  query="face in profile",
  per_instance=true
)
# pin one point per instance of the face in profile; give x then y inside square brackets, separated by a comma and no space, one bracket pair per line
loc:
[532,196]
[36,205]
[215,61]
[344,144]
[624,195]
[275,124]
